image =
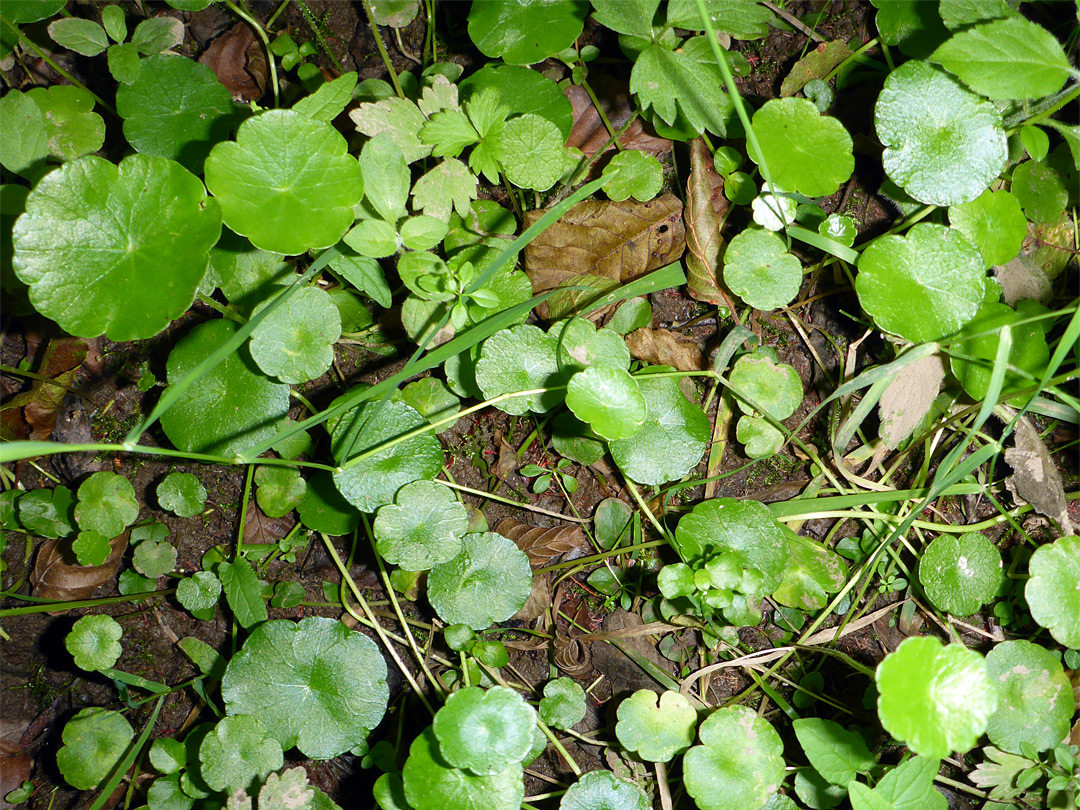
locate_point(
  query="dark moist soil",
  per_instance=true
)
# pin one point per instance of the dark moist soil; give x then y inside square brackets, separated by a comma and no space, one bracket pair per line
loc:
[41,687]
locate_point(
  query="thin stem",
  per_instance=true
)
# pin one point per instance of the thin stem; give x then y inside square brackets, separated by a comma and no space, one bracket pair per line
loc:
[46,606]
[243,15]
[382,49]
[603,116]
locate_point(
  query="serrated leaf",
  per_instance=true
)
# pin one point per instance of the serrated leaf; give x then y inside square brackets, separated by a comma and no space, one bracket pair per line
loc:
[582,345]
[769,384]
[487,582]
[199,594]
[727,525]
[400,118]
[48,512]
[805,151]
[836,753]
[182,494]
[530,151]
[960,13]
[961,574]
[237,753]
[1051,591]
[601,789]
[631,17]
[514,90]
[448,132]
[295,342]
[330,100]
[82,36]
[485,732]
[758,268]
[290,791]
[422,528]
[91,548]
[607,399]
[154,558]
[365,274]
[739,764]
[524,34]
[94,642]
[73,128]
[432,783]
[692,69]
[1037,700]
[521,358]
[94,742]
[656,728]
[243,592]
[449,186]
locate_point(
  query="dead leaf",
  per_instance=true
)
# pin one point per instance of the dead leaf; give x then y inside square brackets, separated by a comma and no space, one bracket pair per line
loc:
[15,765]
[237,59]
[1035,479]
[666,348]
[817,64]
[908,399]
[616,241]
[1022,278]
[539,599]
[589,133]
[541,545]
[58,576]
[258,528]
[506,462]
[571,656]
[32,414]
[706,207]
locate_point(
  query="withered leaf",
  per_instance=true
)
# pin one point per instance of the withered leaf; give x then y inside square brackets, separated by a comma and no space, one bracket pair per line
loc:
[1035,478]
[539,599]
[706,207]
[57,574]
[665,348]
[817,64]
[589,133]
[541,545]
[258,528]
[506,462]
[238,61]
[571,656]
[32,414]
[908,399]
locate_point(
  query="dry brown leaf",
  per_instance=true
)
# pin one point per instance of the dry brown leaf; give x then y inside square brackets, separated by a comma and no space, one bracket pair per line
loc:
[57,574]
[506,461]
[237,59]
[706,207]
[908,399]
[664,348]
[571,656]
[1022,278]
[541,545]
[1035,478]
[539,599]
[15,765]
[32,414]
[589,133]
[258,528]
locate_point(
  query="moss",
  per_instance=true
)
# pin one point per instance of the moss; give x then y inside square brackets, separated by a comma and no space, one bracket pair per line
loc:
[771,471]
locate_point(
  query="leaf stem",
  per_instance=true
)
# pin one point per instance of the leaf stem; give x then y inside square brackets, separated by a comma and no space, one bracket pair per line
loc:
[382,49]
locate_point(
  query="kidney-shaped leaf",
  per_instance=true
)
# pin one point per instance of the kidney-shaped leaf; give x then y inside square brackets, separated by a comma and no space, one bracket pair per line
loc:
[74,128]
[740,763]
[563,703]
[237,752]
[1037,700]
[811,573]
[432,783]
[522,358]
[295,342]
[748,527]
[315,684]
[601,790]
[772,385]
[805,151]
[656,730]
[107,504]
[94,642]
[1051,592]
[487,582]
[525,33]
[484,732]
[287,183]
[609,400]
[759,269]
[94,742]
[422,528]
[961,574]
[994,223]
[119,250]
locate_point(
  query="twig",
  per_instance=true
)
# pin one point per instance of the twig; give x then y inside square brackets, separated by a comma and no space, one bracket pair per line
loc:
[794,22]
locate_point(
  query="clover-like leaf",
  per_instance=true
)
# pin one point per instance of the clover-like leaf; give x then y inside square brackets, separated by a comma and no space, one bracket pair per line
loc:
[805,151]
[672,438]
[656,730]
[230,408]
[286,183]
[94,642]
[993,223]
[739,764]
[279,490]
[432,783]
[95,237]
[526,33]
[199,594]
[758,268]
[485,731]
[937,699]
[487,582]
[521,358]
[295,342]
[961,574]
[1037,700]
[324,695]
[238,752]
[609,400]
[94,742]
[1051,592]
[836,753]
[633,173]
[107,504]
[154,558]
[422,528]
[176,109]
[1029,351]
[943,144]
[73,128]
[746,527]
[563,703]
[601,790]
[923,285]
[182,494]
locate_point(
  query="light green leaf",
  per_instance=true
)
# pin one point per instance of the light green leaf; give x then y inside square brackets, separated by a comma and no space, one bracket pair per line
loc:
[182,494]
[633,314]
[154,558]
[943,144]
[373,238]
[279,490]
[112,19]
[432,400]
[836,753]
[448,132]
[107,504]
[656,729]
[324,696]
[330,100]
[449,186]
[395,13]
[199,594]
[745,527]
[365,274]
[909,786]
[961,574]
[631,17]
[246,275]
[608,400]
[432,783]
[485,732]
[295,342]
[521,358]
[422,233]
[758,268]
[237,753]
[91,548]
[124,62]
[692,69]
[921,286]
[937,699]
[287,182]
[582,345]
[811,573]
[525,33]
[30,11]
[742,19]
[1028,352]
[600,789]
[633,173]
[94,742]
[814,791]
[400,118]
[24,135]
[94,642]
[960,13]
[563,703]
[1037,700]
[838,228]
[530,150]
[82,36]
[1036,142]
[1003,59]
[488,582]
[422,528]
[206,658]
[158,34]
[805,151]
[107,231]
[514,90]
[73,128]
[386,177]
[993,223]
[739,764]
[768,383]
[1051,592]
[1041,191]
[290,791]
[243,592]
[775,212]
[168,755]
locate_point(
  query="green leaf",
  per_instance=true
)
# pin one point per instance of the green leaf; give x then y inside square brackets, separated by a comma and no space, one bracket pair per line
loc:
[1051,591]
[814,791]
[422,528]
[48,512]
[633,314]
[449,186]
[432,400]
[912,25]
[323,509]
[395,13]
[107,231]
[1037,700]
[573,439]
[176,109]
[237,753]
[838,228]
[330,100]
[372,482]
[182,494]
[199,594]
[286,200]
[633,173]
[156,35]
[485,732]
[206,658]
[325,696]
[836,753]
[290,791]
[993,223]
[530,151]
[94,642]
[521,358]
[600,790]
[692,69]
[422,233]
[154,558]
[921,286]
[107,504]
[243,592]
[1003,59]
[943,144]
[488,582]
[768,383]
[739,764]
[805,151]
[229,409]
[745,527]
[364,273]
[582,345]
[82,36]
[91,548]
[373,238]
[279,490]
[448,132]
[432,783]
[30,11]
[73,128]
[937,699]
[563,704]
[672,439]
[295,342]
[656,728]
[526,33]
[758,268]
[124,63]
[1041,191]
[24,134]
[1036,142]
[961,574]
[168,755]
[742,19]
[386,177]
[909,786]
[811,573]
[1028,352]
[609,400]
[517,90]
[960,13]
[95,740]
[112,20]
[631,17]
[400,118]
[246,275]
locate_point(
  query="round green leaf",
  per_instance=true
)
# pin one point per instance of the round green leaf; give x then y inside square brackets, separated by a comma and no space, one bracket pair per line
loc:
[1037,702]
[521,358]
[672,439]
[758,437]
[279,490]
[520,90]
[937,699]
[961,574]
[526,33]
[563,703]
[923,285]
[633,173]
[432,783]
[770,384]
[168,755]
[48,512]
[229,409]
[295,342]
[182,494]
[73,128]
[608,400]
[993,223]
[323,509]
[29,11]
[838,228]
[107,504]
[24,135]
[573,439]
[758,268]
[432,400]
[656,729]
[488,582]
[1029,350]
[287,183]
[1041,191]
[154,558]
[176,109]
[238,752]
[324,694]
[91,548]
[740,763]
[94,642]
[747,527]
[600,790]
[530,150]
[805,151]
[422,528]
[199,594]
[1051,592]
[943,144]
[95,237]
[811,573]
[485,732]
[94,742]
[582,345]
